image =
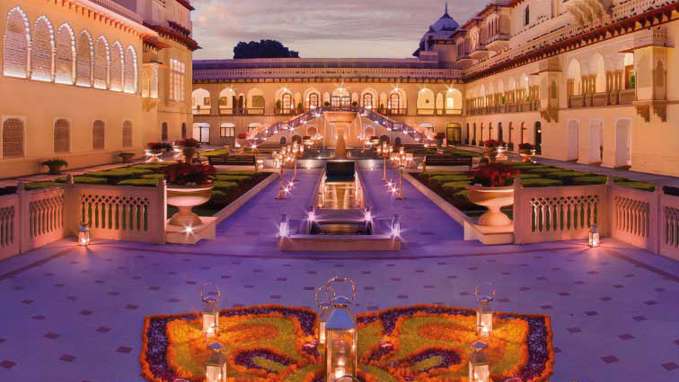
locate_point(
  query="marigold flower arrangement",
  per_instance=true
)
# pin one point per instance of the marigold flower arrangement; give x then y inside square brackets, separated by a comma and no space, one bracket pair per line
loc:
[185,174]
[494,175]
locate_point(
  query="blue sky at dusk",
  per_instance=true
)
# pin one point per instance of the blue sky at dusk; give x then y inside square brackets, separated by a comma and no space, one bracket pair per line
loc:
[348,28]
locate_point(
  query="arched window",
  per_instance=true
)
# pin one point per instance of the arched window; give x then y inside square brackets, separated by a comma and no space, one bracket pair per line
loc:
[98,135]
[117,67]
[16,47]
[526,15]
[286,103]
[127,134]
[368,102]
[62,136]
[12,138]
[131,74]
[394,102]
[164,132]
[65,55]
[314,100]
[42,50]
[84,60]
[102,61]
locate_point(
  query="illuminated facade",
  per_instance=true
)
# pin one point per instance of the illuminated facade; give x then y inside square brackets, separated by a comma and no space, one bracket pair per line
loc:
[83,80]
[583,80]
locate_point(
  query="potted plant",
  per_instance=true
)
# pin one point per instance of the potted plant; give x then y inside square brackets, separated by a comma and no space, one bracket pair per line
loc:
[153,152]
[189,149]
[55,166]
[492,188]
[326,104]
[189,186]
[490,150]
[526,152]
[126,157]
[300,108]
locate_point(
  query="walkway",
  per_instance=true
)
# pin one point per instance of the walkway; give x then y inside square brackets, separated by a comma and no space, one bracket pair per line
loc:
[71,315]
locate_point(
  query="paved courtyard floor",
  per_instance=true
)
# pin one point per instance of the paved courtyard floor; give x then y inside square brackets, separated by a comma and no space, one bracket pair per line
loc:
[72,315]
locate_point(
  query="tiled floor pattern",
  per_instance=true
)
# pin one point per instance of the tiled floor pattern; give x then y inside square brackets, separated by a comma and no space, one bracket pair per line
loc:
[78,315]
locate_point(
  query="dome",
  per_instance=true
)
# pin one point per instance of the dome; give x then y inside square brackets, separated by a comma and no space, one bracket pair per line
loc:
[445,23]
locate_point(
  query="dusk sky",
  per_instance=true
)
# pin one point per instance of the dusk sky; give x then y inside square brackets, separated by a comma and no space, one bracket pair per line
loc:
[348,28]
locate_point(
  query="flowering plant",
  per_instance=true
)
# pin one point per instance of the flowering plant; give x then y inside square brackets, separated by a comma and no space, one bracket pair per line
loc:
[495,175]
[189,148]
[189,142]
[242,136]
[185,174]
[492,144]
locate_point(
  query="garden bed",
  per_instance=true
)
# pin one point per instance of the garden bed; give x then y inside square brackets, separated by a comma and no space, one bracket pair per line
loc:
[275,343]
[453,186]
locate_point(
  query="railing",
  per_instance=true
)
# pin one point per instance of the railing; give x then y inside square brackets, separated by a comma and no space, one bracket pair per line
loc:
[255,111]
[633,216]
[669,226]
[628,96]
[396,112]
[558,213]
[118,212]
[9,226]
[198,110]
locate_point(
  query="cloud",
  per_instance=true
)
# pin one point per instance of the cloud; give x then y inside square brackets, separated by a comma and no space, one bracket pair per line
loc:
[348,28]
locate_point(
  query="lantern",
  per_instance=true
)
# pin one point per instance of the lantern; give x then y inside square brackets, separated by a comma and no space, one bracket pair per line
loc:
[484,313]
[594,236]
[323,298]
[210,296]
[84,235]
[341,335]
[479,368]
[215,369]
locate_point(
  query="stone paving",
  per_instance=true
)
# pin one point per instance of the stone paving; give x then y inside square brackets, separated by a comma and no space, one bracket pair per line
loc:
[72,315]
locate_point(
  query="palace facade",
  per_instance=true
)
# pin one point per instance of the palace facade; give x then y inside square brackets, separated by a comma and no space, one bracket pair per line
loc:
[84,80]
[583,80]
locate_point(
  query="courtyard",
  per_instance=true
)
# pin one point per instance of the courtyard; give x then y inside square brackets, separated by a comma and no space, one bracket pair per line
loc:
[77,314]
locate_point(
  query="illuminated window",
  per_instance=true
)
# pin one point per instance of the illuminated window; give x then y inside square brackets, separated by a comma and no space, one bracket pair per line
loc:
[65,55]
[132,73]
[84,60]
[117,67]
[102,59]
[16,44]
[42,50]
[227,130]
[177,74]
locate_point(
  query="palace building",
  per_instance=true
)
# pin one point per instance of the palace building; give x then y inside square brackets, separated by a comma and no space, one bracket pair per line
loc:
[84,80]
[582,80]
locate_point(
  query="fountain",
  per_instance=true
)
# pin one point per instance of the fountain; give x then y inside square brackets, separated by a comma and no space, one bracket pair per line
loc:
[340,218]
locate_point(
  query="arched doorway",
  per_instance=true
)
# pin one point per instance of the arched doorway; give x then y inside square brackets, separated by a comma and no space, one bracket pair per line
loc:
[596,142]
[573,140]
[454,133]
[500,133]
[623,144]
[283,141]
[201,132]
[538,137]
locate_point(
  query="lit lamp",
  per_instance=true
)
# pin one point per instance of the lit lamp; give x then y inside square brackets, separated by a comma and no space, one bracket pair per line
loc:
[484,313]
[341,342]
[323,299]
[84,235]
[594,236]
[210,295]
[479,368]
[215,369]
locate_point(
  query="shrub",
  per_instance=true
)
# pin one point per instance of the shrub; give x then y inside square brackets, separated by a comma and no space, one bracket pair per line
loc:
[643,186]
[450,178]
[564,174]
[120,174]
[541,182]
[39,185]
[55,165]
[90,180]
[139,182]
[223,186]
[232,178]
[155,177]
[589,179]
[456,185]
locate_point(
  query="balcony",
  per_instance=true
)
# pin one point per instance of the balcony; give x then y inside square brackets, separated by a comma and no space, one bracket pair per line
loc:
[255,111]
[480,52]
[603,99]
[498,42]
[201,110]
[225,110]
[628,96]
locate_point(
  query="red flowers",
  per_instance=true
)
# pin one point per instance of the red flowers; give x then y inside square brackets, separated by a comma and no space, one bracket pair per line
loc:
[242,136]
[184,174]
[495,175]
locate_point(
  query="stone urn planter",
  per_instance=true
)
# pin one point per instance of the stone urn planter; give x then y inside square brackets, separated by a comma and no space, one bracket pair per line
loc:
[494,199]
[185,198]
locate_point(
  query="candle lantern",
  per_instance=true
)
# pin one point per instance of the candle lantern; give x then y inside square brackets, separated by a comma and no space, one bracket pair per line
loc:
[210,296]
[479,368]
[323,299]
[594,236]
[215,369]
[341,335]
[484,314]
[84,234]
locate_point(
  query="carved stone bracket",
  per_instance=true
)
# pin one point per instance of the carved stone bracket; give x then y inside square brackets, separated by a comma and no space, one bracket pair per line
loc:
[550,114]
[644,109]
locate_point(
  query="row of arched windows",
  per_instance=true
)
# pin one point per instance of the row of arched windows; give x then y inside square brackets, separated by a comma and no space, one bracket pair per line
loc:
[41,52]
[13,137]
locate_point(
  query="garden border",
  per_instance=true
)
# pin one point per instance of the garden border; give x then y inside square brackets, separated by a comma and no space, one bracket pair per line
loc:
[242,200]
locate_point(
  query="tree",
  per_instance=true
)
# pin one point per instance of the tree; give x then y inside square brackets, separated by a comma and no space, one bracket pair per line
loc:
[263,49]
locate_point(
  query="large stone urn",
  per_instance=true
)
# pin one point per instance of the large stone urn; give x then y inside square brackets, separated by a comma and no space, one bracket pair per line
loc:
[494,199]
[185,198]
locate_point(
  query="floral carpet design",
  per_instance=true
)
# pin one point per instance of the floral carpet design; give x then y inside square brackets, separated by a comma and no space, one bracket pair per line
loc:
[417,343]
